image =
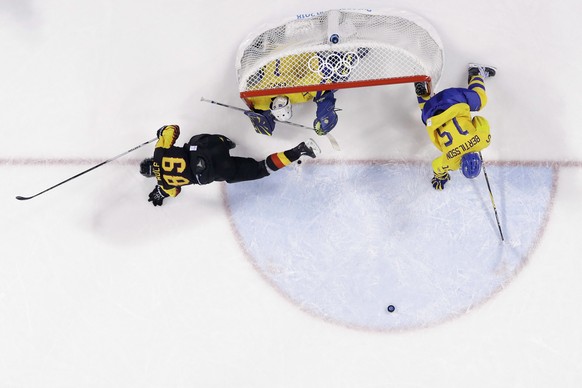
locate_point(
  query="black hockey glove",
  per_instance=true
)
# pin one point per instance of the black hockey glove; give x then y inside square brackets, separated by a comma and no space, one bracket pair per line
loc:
[157,196]
[439,180]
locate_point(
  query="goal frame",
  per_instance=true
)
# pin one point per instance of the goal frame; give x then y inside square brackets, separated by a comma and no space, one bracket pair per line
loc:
[420,22]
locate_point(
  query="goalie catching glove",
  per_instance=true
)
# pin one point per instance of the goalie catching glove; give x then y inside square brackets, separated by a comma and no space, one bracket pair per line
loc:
[326,117]
[439,180]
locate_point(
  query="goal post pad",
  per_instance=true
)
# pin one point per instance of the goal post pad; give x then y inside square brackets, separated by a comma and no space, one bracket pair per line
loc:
[339,49]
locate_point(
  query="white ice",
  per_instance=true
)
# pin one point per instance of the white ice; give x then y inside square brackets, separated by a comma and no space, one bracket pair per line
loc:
[236,286]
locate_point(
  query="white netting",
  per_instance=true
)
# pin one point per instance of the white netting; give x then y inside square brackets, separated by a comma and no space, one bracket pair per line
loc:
[372,48]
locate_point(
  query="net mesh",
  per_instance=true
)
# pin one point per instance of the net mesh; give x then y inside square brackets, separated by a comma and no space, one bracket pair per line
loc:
[339,49]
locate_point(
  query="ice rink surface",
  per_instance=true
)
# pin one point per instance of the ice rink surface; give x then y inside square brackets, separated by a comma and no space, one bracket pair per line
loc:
[283,282]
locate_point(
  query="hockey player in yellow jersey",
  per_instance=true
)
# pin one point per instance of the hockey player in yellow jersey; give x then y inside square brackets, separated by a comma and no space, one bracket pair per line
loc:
[292,71]
[279,108]
[205,159]
[460,137]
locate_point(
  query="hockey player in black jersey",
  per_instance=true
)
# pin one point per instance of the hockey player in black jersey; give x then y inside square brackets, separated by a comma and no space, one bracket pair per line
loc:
[206,158]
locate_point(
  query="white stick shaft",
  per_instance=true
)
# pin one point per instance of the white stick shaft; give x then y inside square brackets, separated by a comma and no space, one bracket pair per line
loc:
[332,140]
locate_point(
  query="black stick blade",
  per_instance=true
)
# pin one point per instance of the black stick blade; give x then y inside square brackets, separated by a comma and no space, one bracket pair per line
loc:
[18,197]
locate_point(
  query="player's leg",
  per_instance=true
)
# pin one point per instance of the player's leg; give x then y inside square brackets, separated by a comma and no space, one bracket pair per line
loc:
[422,93]
[246,169]
[239,169]
[476,82]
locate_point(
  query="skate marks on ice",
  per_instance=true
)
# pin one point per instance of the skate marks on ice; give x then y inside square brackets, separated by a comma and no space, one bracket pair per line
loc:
[343,241]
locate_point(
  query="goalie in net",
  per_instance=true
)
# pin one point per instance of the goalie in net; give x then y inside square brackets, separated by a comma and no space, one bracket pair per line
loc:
[303,69]
[309,59]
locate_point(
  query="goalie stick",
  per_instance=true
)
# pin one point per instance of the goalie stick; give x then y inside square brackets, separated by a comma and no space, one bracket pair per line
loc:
[20,198]
[331,139]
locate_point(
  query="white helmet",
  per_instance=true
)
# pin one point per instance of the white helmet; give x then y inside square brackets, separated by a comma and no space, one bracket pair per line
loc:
[281,108]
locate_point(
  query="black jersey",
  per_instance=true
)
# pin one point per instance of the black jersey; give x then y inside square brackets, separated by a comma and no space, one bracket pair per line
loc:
[204,159]
[171,164]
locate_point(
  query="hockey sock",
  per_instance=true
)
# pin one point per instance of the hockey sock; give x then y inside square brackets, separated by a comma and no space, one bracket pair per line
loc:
[421,100]
[279,160]
[477,85]
[476,81]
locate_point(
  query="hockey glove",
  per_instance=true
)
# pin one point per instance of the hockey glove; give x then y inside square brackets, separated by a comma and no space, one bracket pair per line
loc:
[439,180]
[176,129]
[326,117]
[157,196]
[263,121]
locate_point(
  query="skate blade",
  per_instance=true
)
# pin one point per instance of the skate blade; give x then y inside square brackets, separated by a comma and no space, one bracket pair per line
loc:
[313,145]
[480,65]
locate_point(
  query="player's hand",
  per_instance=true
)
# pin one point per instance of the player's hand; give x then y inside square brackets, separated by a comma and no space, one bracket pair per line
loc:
[439,180]
[157,196]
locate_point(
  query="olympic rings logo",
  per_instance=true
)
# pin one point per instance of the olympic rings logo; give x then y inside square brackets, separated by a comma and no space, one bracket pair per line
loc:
[335,64]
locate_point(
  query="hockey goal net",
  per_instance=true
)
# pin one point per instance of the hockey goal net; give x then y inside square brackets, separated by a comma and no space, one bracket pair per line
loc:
[339,49]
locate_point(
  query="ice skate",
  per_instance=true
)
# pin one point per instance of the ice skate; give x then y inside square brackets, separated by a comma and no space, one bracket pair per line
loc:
[482,70]
[421,89]
[310,148]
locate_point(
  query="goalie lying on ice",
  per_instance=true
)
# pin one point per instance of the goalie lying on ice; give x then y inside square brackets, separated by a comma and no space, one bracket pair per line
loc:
[306,69]
[279,108]
[206,158]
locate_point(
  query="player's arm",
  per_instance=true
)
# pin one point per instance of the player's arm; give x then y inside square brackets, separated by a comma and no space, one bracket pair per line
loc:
[441,167]
[483,131]
[171,191]
[167,136]
[482,126]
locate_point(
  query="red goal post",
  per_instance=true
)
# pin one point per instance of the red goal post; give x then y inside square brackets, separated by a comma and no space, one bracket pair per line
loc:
[339,49]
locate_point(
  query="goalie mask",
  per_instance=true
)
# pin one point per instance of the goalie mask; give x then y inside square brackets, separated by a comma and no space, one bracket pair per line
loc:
[281,108]
[146,168]
[471,165]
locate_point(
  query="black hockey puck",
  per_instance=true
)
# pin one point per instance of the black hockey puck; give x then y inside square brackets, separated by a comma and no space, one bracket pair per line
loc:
[391,309]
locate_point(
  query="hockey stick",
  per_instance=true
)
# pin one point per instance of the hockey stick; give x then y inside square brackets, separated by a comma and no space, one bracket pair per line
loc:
[331,139]
[491,196]
[18,197]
